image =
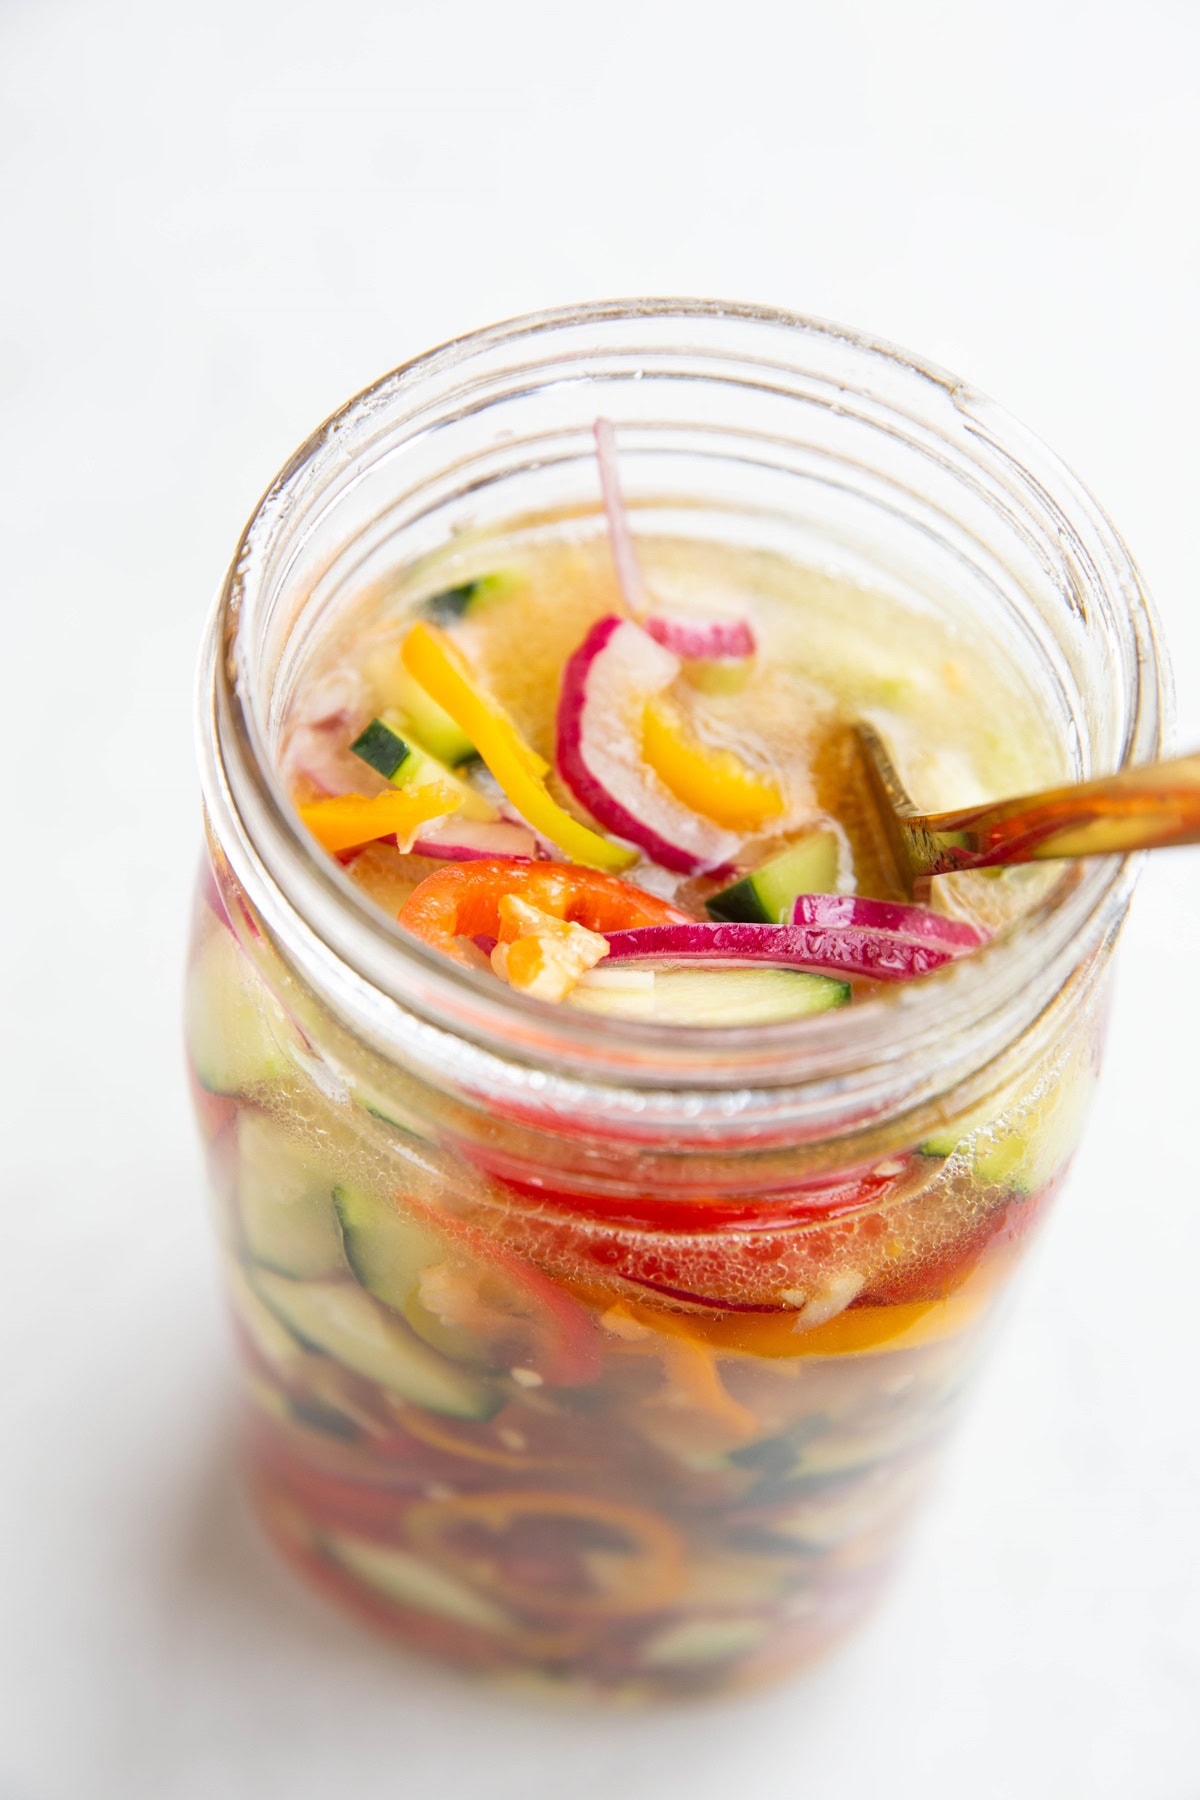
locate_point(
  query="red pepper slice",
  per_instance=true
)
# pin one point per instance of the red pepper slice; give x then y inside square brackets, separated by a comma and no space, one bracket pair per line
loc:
[784,1209]
[463,901]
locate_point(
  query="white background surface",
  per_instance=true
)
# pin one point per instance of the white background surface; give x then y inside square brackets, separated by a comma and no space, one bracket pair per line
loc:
[215,224]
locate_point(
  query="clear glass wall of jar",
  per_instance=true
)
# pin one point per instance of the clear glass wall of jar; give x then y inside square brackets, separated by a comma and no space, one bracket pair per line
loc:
[675,1320]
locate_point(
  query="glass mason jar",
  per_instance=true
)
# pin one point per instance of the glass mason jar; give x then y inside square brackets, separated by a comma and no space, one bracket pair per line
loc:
[676,1319]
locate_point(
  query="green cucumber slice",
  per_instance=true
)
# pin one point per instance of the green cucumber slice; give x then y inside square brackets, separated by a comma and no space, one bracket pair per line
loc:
[278,1347]
[409,1581]
[231,1038]
[381,748]
[456,603]
[300,1410]
[427,722]
[1025,1154]
[317,1415]
[727,995]
[389,1110]
[285,1197]
[388,1255]
[406,765]
[386,1252]
[766,895]
[343,1322]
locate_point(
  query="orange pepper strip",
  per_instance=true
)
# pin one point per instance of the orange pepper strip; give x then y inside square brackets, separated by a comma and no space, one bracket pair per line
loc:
[346,820]
[436,662]
[859,1331]
[693,1372]
[653,1576]
[463,900]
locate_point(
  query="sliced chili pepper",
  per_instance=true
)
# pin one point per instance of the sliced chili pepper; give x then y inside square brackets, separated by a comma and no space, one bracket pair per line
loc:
[463,901]
[830,1198]
[722,1254]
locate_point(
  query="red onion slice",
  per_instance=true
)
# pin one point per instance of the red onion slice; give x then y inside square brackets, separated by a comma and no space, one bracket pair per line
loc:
[465,840]
[605,687]
[697,640]
[702,640]
[847,949]
[834,911]
[625,558]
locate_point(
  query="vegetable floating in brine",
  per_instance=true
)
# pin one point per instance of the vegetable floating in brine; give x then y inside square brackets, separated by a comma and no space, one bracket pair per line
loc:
[546,726]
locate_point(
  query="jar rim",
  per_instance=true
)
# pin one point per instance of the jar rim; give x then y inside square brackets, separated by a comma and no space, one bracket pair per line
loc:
[411,1003]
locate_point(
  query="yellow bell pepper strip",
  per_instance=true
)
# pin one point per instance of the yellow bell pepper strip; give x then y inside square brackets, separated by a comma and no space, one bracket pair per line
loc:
[346,820]
[651,1575]
[710,781]
[435,661]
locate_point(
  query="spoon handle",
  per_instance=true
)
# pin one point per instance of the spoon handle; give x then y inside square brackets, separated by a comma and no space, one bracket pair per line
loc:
[1140,809]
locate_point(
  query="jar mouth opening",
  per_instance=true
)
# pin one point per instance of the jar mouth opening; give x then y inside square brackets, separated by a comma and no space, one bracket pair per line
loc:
[408,1000]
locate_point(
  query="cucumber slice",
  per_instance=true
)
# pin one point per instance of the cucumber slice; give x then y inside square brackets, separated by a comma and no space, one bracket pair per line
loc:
[285,1198]
[388,1255]
[426,721]
[383,749]
[419,769]
[386,1252]
[346,1324]
[231,1038]
[766,895]
[278,1347]
[407,765]
[1024,1155]
[299,1410]
[727,995]
[388,1110]
[469,597]
[316,1415]
[454,603]
[409,1581]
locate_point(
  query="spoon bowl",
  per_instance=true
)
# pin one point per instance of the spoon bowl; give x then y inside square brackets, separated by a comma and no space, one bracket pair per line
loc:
[1146,808]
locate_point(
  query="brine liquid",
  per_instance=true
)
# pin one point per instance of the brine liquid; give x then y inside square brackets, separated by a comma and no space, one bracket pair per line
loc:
[962,726]
[606,1421]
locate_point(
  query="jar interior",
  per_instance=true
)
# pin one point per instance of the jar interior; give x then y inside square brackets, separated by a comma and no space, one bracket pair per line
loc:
[855,500]
[739,428]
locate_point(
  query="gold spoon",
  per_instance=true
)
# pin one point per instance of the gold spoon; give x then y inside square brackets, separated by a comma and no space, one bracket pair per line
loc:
[1139,809]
